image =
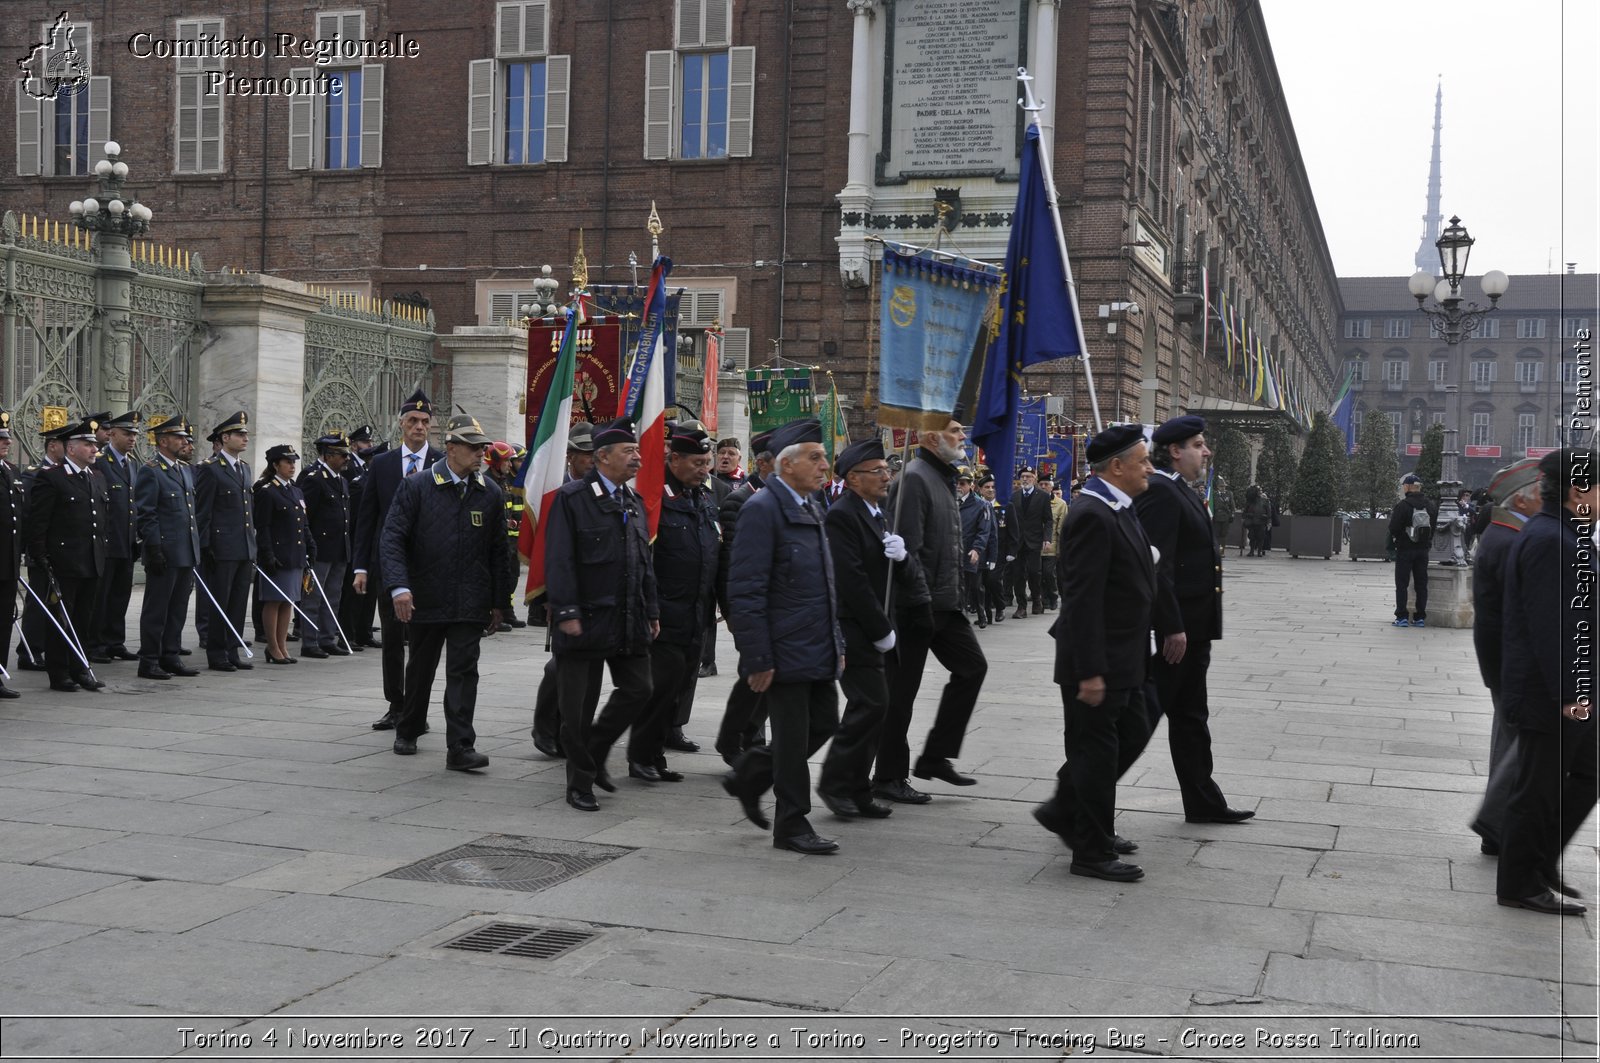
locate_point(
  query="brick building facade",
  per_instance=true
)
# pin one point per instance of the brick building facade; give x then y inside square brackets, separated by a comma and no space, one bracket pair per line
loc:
[1506,389]
[470,142]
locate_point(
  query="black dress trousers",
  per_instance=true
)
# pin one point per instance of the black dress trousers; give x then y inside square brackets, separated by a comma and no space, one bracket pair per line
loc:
[953,645]
[461,644]
[802,717]
[161,617]
[1102,741]
[847,769]
[1181,696]
[578,691]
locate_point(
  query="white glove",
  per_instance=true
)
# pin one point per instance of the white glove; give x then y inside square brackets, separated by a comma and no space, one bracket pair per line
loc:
[1011,557]
[885,644]
[991,566]
[894,547]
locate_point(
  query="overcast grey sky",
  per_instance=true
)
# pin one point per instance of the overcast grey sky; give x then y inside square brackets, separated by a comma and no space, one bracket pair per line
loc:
[1521,124]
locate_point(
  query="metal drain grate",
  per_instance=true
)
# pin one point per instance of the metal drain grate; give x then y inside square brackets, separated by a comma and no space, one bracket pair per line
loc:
[514,939]
[507,862]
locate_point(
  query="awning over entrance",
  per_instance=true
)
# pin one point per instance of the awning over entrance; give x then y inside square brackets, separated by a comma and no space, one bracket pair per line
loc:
[1244,416]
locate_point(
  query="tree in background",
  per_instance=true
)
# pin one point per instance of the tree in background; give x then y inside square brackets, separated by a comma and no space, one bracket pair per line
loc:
[1374,467]
[1230,454]
[1430,466]
[1320,480]
[1275,469]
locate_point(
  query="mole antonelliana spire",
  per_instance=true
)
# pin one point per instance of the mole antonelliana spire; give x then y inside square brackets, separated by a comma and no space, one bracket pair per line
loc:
[1427,254]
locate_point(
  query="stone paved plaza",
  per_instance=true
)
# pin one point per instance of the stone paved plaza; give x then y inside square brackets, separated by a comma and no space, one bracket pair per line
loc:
[222,848]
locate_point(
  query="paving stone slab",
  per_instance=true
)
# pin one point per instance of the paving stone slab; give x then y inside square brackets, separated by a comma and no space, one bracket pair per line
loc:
[274,797]
[339,924]
[26,843]
[1432,872]
[665,908]
[316,872]
[169,857]
[28,887]
[340,834]
[167,906]
[1532,947]
[136,815]
[22,936]
[117,782]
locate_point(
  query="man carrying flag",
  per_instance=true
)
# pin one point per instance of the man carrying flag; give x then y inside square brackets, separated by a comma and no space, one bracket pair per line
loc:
[643,399]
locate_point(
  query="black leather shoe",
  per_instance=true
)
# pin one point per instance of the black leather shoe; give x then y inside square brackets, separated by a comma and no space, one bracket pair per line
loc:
[1110,870]
[1558,885]
[1052,821]
[405,747]
[900,790]
[1038,610]
[223,667]
[466,759]
[357,648]
[316,653]
[240,664]
[336,650]
[748,802]
[294,636]
[548,748]
[1122,846]
[667,774]
[374,644]
[871,809]
[6,693]
[809,844]
[675,740]
[99,658]
[89,682]
[1020,614]
[583,801]
[944,771]
[1227,815]
[602,779]
[26,665]
[707,670]
[66,686]
[184,651]
[843,807]
[150,671]
[515,622]
[983,622]
[1000,617]
[176,667]
[385,722]
[1546,903]
[647,772]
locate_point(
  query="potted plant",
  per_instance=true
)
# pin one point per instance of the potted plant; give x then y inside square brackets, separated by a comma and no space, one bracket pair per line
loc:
[1374,472]
[1318,485]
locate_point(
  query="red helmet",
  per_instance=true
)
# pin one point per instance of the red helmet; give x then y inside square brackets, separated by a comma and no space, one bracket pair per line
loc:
[499,455]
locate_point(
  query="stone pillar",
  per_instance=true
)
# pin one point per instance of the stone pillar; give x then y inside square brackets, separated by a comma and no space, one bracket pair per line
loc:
[116,275]
[1449,596]
[855,201]
[1043,69]
[733,409]
[489,377]
[255,360]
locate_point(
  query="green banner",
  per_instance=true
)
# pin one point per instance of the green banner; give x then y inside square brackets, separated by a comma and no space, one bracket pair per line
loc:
[778,396]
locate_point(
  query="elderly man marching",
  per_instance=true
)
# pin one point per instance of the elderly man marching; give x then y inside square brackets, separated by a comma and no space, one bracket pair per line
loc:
[601,586]
[784,610]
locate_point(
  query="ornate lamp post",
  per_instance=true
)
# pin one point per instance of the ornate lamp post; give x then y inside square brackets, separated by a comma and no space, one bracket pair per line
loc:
[117,216]
[544,296]
[1455,322]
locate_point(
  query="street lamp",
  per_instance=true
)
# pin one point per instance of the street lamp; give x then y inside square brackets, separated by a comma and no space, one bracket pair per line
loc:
[114,214]
[544,296]
[1453,321]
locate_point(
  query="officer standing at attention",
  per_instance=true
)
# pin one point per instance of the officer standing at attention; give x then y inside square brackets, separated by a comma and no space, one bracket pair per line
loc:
[12,503]
[67,535]
[602,591]
[107,638]
[1188,612]
[169,532]
[327,496]
[377,493]
[34,625]
[445,566]
[224,506]
[1030,530]
[356,611]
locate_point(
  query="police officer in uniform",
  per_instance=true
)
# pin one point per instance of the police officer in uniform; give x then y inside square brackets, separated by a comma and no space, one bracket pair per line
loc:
[224,506]
[30,651]
[546,711]
[106,639]
[327,496]
[169,532]
[11,507]
[67,537]
[356,611]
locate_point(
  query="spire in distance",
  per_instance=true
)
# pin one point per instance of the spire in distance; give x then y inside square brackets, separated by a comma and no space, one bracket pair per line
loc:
[1427,254]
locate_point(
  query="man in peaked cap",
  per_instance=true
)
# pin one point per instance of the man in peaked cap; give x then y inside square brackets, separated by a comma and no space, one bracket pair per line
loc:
[1188,612]
[1031,527]
[357,611]
[12,504]
[384,476]
[223,504]
[30,652]
[169,531]
[67,534]
[327,502]
[1515,492]
[107,638]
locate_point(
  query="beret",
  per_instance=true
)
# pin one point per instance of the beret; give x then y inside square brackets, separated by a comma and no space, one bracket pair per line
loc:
[858,454]
[618,431]
[1178,429]
[1513,478]
[808,431]
[1113,441]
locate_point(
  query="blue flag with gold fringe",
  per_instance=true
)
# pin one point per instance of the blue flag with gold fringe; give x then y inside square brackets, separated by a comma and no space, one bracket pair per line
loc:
[1035,318]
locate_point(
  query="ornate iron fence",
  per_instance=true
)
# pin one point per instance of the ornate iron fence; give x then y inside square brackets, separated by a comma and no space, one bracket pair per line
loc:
[363,358]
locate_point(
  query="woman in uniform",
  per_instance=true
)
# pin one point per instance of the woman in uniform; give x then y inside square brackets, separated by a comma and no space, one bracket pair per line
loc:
[284,548]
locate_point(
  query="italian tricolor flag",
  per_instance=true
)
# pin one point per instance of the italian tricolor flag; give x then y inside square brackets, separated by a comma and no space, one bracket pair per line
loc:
[546,468]
[644,396]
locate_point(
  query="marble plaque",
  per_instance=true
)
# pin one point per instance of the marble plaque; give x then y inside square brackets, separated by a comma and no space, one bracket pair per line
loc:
[950,100]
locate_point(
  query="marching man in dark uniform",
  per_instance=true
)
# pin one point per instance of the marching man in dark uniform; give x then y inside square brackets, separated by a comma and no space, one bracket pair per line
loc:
[30,652]
[784,610]
[745,713]
[12,505]
[107,638]
[1188,615]
[356,611]
[602,592]
[445,567]
[1108,590]
[992,565]
[546,707]
[864,551]
[685,563]
[327,496]
[67,534]
[977,528]
[169,532]
[377,493]
[224,506]
[1030,527]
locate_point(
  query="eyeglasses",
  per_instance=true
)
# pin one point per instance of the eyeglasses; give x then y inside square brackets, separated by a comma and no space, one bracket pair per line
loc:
[876,470]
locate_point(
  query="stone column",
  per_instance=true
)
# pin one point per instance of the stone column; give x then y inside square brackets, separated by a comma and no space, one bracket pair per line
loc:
[855,201]
[255,360]
[1043,69]
[733,409]
[116,275]
[489,377]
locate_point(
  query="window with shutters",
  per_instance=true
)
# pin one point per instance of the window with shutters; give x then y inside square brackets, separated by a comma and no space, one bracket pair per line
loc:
[1572,326]
[344,129]
[61,136]
[1482,433]
[500,302]
[1397,328]
[1396,370]
[1529,371]
[1483,371]
[1438,371]
[1530,328]
[700,97]
[517,102]
[1527,431]
[197,131]
[1357,328]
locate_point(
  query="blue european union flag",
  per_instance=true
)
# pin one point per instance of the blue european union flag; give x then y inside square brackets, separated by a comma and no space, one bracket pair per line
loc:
[1036,318]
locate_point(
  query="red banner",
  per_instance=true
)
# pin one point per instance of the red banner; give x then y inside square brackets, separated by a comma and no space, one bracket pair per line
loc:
[597,378]
[1483,452]
[1539,452]
[1413,449]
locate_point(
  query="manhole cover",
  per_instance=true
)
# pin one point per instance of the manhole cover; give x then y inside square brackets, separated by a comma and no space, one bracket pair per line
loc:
[510,863]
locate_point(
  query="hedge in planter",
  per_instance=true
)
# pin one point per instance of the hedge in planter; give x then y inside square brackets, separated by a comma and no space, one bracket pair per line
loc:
[1318,486]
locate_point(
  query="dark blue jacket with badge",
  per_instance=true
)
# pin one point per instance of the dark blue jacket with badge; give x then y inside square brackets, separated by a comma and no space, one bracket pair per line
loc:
[598,570]
[782,604]
[168,524]
[328,509]
[687,560]
[283,539]
[446,547]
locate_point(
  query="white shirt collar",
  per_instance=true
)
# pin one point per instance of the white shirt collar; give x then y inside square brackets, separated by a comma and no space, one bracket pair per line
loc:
[72,466]
[1107,492]
[610,488]
[420,455]
[796,495]
[282,482]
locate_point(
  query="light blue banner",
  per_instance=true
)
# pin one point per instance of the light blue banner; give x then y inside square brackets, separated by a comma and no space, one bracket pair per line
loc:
[932,311]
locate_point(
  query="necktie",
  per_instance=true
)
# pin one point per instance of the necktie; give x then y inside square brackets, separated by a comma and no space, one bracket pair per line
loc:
[805,505]
[461,489]
[412,461]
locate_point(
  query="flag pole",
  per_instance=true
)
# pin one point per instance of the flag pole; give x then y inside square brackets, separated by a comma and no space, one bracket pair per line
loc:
[1032,106]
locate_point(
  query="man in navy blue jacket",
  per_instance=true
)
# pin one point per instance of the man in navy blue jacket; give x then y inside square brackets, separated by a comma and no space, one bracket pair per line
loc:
[784,611]
[1548,682]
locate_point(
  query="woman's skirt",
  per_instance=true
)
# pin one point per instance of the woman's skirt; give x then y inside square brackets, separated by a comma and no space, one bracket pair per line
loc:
[282,585]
